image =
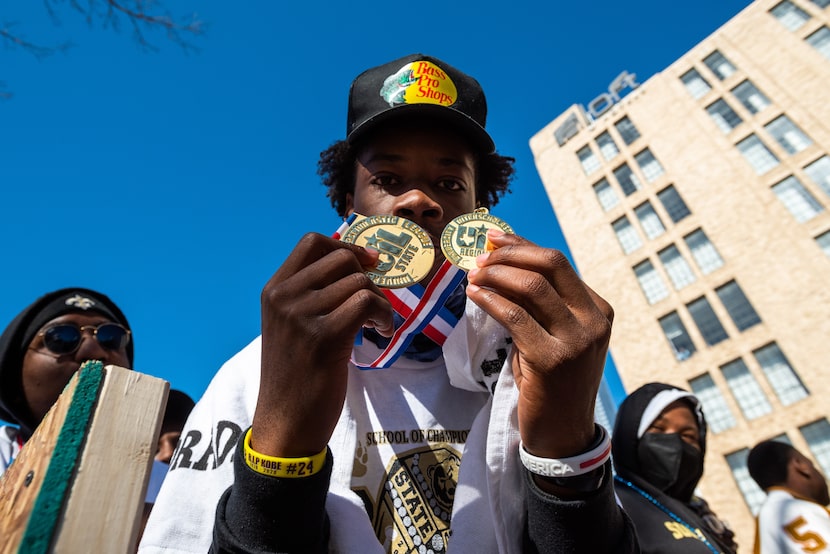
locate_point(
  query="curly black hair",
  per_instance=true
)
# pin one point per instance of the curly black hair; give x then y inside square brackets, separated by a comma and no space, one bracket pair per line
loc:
[337,169]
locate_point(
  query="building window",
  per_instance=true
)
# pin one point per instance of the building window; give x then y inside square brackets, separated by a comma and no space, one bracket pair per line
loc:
[606,195]
[673,203]
[628,132]
[629,182]
[780,374]
[627,235]
[751,98]
[650,281]
[753,495]
[724,117]
[737,305]
[588,159]
[707,322]
[788,135]
[676,267]
[817,437]
[821,3]
[802,205]
[720,66]
[704,253]
[820,40]
[791,16]
[718,415]
[695,84]
[607,146]
[819,173]
[746,390]
[649,165]
[649,220]
[679,340]
[757,154]
[823,241]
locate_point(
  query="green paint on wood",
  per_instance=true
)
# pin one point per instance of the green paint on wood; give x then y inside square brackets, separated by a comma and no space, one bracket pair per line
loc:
[51,498]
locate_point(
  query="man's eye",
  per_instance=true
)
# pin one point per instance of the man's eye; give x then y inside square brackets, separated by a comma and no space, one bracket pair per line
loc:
[452,184]
[384,180]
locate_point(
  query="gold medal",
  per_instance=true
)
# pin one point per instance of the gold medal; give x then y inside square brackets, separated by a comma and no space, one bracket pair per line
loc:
[406,251]
[465,238]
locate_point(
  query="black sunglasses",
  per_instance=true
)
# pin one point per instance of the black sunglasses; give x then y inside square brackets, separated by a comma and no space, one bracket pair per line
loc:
[65,338]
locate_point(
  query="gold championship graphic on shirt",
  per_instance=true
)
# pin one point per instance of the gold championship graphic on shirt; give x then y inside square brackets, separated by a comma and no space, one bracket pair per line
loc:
[406,251]
[465,237]
[412,512]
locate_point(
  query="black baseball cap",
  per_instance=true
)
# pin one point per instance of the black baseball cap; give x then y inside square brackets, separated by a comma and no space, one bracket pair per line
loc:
[418,85]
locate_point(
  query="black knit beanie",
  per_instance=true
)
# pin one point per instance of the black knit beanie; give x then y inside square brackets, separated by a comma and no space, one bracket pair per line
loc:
[22,330]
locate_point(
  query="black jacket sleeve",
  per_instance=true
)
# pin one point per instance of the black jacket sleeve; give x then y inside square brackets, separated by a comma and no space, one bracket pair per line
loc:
[259,513]
[593,523]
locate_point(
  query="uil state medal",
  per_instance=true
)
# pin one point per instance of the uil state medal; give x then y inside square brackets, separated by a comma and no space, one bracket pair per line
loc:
[406,251]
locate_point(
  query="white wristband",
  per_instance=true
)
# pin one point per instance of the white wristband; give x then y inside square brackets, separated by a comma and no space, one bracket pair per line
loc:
[568,467]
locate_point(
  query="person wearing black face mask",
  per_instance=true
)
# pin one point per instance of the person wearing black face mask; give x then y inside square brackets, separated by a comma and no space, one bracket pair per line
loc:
[658,447]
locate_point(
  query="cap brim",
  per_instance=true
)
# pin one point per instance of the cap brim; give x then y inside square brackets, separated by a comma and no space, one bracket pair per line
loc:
[460,122]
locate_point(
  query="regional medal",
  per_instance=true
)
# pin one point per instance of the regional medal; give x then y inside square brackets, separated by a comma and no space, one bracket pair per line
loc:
[465,237]
[406,251]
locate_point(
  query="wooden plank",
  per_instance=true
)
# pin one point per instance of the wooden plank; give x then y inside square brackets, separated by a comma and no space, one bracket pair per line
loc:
[21,483]
[111,455]
[107,497]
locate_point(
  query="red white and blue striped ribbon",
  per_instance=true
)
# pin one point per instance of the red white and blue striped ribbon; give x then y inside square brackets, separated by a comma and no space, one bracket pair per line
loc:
[420,314]
[421,308]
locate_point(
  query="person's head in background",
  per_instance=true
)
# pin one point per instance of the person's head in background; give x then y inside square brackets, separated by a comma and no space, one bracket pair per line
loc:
[45,345]
[777,464]
[179,406]
[660,437]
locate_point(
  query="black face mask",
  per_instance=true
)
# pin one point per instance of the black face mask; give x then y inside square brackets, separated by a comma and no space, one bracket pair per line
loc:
[670,464]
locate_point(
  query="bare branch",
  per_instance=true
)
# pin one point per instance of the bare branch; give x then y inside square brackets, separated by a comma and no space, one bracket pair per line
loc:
[142,15]
[12,40]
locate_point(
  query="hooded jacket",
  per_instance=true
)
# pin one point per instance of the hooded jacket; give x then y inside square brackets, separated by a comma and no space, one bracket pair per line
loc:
[19,334]
[664,524]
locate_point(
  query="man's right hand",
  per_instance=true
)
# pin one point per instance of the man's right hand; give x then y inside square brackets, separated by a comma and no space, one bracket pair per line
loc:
[312,309]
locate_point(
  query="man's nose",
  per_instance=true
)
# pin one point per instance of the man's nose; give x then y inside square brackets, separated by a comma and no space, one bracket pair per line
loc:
[417,205]
[90,348]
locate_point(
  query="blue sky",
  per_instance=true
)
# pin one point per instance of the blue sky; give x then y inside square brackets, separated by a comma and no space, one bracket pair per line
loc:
[178,182]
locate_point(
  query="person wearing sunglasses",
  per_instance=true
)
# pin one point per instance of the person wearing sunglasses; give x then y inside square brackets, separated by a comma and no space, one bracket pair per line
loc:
[43,347]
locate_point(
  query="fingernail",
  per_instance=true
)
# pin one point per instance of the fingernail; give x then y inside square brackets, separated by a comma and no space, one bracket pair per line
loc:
[481,259]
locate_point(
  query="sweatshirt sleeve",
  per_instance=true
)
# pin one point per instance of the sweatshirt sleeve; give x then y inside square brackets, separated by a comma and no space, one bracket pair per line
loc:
[259,513]
[594,523]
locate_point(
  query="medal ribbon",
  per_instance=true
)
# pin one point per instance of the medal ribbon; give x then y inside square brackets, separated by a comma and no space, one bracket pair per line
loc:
[419,314]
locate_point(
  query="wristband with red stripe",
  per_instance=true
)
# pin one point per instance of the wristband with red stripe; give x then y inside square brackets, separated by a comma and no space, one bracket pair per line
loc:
[572,466]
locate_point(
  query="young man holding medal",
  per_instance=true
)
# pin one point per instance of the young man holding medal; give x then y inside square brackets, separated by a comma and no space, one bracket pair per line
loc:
[425,379]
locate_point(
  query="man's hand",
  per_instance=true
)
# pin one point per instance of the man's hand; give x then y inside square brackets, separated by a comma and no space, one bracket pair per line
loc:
[560,329]
[312,309]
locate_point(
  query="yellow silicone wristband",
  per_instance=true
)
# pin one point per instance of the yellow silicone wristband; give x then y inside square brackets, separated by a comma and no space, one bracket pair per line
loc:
[282,467]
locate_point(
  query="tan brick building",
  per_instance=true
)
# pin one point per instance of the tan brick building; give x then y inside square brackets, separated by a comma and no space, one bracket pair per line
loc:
[698,205]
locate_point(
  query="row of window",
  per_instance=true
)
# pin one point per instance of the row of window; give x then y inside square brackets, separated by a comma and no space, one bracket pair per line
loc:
[650,222]
[793,18]
[798,200]
[711,330]
[817,437]
[627,132]
[782,129]
[674,265]
[745,389]
[786,133]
